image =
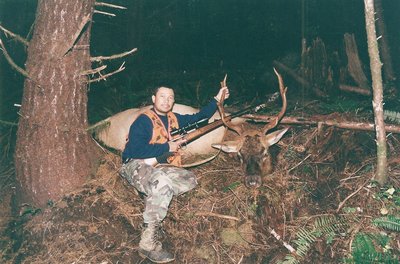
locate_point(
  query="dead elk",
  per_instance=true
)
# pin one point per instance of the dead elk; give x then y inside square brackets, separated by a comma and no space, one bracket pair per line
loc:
[252,145]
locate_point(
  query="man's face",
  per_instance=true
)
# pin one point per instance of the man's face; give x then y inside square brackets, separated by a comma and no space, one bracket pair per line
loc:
[163,100]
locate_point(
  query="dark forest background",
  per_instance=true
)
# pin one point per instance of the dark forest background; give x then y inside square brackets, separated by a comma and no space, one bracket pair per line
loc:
[191,44]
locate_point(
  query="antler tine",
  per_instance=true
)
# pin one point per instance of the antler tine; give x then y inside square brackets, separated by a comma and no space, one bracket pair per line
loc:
[221,109]
[282,90]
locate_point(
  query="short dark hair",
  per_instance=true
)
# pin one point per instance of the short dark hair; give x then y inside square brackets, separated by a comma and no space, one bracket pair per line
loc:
[155,90]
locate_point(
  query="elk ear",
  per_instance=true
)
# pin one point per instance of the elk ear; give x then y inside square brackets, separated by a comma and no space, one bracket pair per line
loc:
[274,137]
[229,146]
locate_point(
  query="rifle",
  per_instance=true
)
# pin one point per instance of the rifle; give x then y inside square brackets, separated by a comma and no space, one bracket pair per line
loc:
[197,129]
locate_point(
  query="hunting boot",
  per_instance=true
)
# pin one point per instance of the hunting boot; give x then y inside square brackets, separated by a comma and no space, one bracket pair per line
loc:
[151,248]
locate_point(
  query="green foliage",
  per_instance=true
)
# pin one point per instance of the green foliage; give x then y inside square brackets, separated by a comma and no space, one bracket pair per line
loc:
[344,106]
[390,196]
[324,226]
[391,116]
[231,186]
[30,210]
[364,249]
[375,247]
[389,222]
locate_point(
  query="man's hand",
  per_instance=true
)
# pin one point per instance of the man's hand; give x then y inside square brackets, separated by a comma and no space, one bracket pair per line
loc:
[174,146]
[218,97]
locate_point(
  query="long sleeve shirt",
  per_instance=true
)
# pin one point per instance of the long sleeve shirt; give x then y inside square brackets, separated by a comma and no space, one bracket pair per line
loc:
[141,132]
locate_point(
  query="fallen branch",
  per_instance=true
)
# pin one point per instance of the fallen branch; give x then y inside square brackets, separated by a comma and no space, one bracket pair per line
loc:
[278,237]
[205,213]
[13,35]
[323,120]
[116,56]
[354,89]
[12,63]
[298,78]
[351,195]
[282,67]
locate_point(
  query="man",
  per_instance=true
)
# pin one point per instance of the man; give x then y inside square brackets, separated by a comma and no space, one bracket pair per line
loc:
[149,143]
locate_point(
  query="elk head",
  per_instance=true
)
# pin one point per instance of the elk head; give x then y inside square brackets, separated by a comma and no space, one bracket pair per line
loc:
[252,145]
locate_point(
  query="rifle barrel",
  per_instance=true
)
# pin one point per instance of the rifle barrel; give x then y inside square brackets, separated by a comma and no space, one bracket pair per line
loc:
[211,126]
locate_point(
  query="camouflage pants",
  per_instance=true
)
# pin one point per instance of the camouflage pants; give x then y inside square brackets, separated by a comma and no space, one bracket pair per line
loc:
[159,184]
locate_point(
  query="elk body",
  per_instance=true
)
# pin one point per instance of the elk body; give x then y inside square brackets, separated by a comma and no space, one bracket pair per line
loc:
[114,134]
[252,145]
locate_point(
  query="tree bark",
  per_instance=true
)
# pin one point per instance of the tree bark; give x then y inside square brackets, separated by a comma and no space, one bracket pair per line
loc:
[354,64]
[1,71]
[54,153]
[377,87]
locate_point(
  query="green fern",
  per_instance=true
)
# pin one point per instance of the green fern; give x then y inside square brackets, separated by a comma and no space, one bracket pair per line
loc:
[389,222]
[364,249]
[392,116]
[290,259]
[328,225]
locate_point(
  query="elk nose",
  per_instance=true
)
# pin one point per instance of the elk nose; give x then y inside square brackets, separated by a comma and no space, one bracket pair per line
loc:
[253,181]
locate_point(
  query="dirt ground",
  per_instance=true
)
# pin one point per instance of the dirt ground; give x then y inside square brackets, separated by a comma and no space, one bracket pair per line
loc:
[319,172]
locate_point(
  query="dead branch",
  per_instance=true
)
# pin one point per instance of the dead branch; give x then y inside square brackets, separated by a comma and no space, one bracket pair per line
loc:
[12,63]
[93,71]
[70,43]
[354,89]
[103,77]
[323,120]
[8,123]
[104,13]
[298,78]
[109,5]
[205,213]
[291,73]
[13,35]
[278,237]
[112,57]
[351,195]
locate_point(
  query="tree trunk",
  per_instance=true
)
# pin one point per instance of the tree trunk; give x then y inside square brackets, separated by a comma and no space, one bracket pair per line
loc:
[377,87]
[354,64]
[1,71]
[54,152]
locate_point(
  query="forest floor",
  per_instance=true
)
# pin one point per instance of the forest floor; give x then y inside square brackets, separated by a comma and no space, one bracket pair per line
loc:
[320,200]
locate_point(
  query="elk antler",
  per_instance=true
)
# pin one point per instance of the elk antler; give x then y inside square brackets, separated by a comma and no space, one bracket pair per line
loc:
[282,90]
[221,109]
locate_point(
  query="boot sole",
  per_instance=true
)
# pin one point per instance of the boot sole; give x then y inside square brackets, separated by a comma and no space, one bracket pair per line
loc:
[143,255]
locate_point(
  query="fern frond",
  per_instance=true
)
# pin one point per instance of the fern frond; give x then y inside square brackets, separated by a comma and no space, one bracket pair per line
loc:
[364,249]
[330,224]
[363,243]
[289,259]
[392,116]
[389,222]
[327,225]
